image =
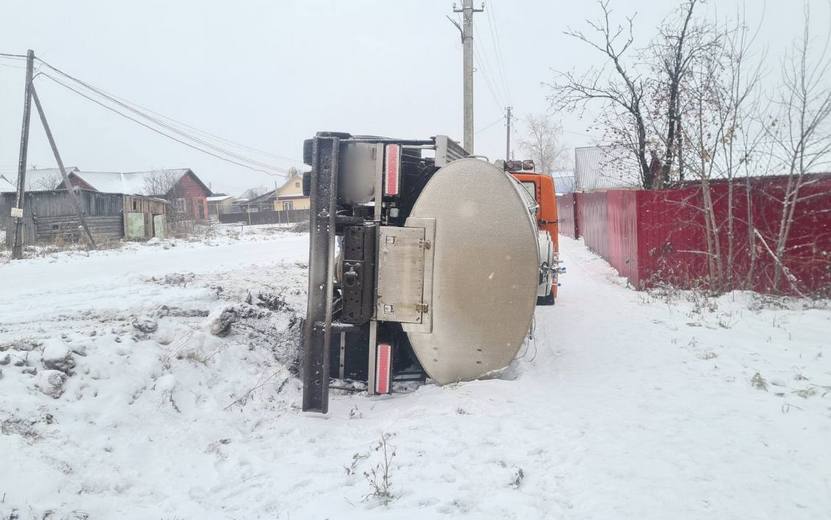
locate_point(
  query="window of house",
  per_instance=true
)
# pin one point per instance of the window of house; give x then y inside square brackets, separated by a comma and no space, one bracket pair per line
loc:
[297,184]
[180,205]
[288,205]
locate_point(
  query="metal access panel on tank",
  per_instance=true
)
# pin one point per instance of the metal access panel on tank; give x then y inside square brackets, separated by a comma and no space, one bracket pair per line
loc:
[402,275]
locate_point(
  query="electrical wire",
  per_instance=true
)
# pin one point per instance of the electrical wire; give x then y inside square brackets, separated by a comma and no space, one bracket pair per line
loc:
[480,65]
[489,125]
[496,98]
[156,130]
[156,121]
[125,102]
[497,45]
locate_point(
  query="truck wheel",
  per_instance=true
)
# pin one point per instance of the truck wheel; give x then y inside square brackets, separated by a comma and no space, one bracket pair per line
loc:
[548,299]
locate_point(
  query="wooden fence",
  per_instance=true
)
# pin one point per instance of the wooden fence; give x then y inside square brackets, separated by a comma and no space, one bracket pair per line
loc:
[68,229]
[50,216]
[266,217]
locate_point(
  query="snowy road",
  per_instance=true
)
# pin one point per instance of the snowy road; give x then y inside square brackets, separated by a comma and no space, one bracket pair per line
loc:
[623,406]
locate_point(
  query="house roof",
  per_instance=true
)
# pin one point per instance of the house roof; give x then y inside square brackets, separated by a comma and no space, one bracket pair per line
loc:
[37,179]
[6,185]
[219,198]
[132,183]
[264,197]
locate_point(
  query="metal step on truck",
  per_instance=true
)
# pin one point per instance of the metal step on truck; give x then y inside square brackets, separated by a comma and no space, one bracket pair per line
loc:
[423,263]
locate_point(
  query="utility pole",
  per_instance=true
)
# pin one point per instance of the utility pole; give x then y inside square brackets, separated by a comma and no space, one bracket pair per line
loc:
[466,29]
[66,183]
[508,135]
[17,211]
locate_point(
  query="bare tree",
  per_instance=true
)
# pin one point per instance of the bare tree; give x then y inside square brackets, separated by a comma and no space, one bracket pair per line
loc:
[721,96]
[45,181]
[801,130]
[739,101]
[252,193]
[165,184]
[621,93]
[680,44]
[543,142]
[160,184]
[640,92]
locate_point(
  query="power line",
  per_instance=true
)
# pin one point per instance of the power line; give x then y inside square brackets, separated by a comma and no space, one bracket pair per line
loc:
[488,82]
[126,104]
[178,131]
[490,125]
[218,152]
[123,101]
[189,145]
[497,44]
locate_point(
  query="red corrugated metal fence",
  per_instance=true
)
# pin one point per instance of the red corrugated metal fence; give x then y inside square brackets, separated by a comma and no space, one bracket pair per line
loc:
[659,236]
[566,217]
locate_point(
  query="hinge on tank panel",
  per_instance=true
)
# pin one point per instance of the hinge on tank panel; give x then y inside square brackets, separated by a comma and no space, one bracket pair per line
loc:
[424,244]
[422,307]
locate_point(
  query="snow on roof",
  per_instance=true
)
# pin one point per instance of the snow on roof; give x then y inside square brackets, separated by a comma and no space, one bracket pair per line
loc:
[37,179]
[6,185]
[219,198]
[131,183]
[264,196]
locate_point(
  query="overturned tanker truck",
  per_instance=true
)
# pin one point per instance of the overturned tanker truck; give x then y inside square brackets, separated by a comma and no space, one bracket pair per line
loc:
[423,262]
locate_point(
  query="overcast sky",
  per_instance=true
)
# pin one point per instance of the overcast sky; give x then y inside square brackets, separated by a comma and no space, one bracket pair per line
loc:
[269,73]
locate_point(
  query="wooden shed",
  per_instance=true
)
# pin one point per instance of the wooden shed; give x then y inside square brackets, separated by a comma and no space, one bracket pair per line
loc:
[50,216]
[145,217]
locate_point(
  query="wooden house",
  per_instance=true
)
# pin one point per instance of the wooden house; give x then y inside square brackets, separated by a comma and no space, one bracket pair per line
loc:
[186,193]
[289,196]
[220,205]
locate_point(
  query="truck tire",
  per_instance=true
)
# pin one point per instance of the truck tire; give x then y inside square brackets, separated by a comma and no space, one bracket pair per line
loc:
[307,183]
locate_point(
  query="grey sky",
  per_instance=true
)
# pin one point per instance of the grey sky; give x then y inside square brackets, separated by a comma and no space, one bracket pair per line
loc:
[269,73]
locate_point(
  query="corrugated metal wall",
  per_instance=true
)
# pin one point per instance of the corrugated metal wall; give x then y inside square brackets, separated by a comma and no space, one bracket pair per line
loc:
[592,215]
[658,236]
[603,168]
[622,223]
[566,217]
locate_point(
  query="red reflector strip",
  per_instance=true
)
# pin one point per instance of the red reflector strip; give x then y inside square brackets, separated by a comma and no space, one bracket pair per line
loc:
[392,160]
[383,369]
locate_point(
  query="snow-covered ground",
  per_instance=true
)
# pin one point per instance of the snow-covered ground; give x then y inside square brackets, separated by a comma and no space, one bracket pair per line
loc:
[624,405]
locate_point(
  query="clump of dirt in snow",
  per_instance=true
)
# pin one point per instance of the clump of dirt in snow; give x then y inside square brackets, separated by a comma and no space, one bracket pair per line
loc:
[269,323]
[269,300]
[21,344]
[26,428]
[51,382]
[175,279]
[177,312]
[301,227]
[57,356]
[145,324]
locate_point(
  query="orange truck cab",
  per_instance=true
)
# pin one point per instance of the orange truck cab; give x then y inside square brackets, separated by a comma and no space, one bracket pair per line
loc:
[541,188]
